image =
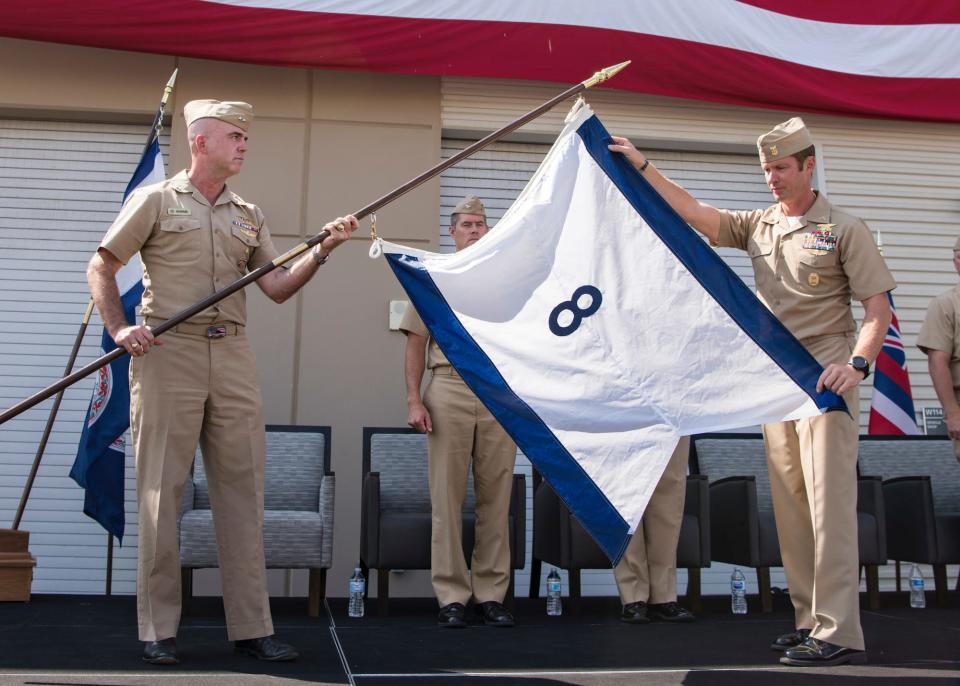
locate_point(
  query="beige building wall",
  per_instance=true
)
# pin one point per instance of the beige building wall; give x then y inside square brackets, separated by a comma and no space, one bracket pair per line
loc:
[323,144]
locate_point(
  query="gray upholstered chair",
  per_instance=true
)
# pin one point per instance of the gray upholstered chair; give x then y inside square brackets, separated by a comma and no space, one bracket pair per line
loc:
[395,520]
[921,491]
[559,539]
[298,510]
[743,528]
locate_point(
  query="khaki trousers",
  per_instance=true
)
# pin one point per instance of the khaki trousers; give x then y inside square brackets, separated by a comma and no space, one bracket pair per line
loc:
[648,570]
[813,479]
[463,428]
[193,389]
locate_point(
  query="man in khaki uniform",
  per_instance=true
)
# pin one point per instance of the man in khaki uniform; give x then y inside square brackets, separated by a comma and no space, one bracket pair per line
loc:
[809,258]
[647,574]
[939,339]
[199,384]
[459,427]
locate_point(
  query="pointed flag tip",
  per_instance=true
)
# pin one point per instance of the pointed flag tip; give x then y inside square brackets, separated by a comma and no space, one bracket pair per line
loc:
[173,78]
[604,74]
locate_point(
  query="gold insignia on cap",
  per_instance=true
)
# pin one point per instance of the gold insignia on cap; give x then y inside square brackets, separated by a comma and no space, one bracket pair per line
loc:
[470,205]
[814,280]
[785,139]
[240,114]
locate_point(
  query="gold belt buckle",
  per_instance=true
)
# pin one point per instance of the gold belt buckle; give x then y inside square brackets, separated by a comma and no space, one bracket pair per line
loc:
[216,331]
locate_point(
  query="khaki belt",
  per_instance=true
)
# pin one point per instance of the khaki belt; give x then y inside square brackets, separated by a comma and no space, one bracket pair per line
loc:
[214,330]
[445,370]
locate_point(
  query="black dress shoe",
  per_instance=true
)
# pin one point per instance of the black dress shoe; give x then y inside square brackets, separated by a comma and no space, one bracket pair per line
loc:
[816,653]
[494,614]
[162,652]
[635,613]
[669,612]
[266,648]
[451,616]
[791,640]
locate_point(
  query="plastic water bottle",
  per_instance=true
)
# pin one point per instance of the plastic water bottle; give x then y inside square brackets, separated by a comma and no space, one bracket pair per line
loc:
[917,598]
[738,592]
[357,587]
[554,606]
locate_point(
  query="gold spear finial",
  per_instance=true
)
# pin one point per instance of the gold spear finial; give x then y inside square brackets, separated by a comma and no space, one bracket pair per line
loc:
[169,89]
[605,74]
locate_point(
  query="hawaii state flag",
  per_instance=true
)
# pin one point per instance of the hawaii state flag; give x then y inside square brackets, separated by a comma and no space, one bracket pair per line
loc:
[599,328]
[99,466]
[891,408]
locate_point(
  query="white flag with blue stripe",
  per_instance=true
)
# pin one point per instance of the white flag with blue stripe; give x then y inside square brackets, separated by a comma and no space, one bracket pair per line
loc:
[99,466]
[599,328]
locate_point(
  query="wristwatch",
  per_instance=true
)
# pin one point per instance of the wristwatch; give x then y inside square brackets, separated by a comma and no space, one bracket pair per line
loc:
[318,259]
[860,364]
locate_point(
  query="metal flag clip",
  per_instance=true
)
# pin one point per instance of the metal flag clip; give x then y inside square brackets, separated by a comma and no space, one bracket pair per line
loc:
[376,249]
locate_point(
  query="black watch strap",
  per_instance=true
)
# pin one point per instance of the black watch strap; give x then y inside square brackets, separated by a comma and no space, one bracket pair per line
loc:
[860,364]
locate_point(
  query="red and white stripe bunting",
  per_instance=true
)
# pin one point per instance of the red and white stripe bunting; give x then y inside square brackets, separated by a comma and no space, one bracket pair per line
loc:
[894,59]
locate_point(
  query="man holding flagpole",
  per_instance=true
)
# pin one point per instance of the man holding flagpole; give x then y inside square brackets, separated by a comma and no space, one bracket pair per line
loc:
[809,258]
[199,385]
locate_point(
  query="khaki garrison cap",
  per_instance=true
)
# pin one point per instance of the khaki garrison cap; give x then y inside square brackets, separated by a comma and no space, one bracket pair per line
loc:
[470,205]
[240,114]
[956,246]
[784,140]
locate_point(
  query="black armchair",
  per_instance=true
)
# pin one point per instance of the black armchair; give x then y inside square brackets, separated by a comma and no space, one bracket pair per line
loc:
[921,493]
[395,519]
[743,527]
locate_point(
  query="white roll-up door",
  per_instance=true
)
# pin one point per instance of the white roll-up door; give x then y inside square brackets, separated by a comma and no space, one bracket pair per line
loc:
[61,185]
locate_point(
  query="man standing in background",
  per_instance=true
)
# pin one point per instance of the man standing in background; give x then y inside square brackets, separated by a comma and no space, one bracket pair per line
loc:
[461,432]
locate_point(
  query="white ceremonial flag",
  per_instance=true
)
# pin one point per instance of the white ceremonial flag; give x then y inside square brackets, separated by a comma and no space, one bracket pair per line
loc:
[599,328]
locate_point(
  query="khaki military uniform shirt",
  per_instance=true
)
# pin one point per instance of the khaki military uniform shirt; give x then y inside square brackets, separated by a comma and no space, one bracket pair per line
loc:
[941,330]
[189,248]
[807,275]
[412,323]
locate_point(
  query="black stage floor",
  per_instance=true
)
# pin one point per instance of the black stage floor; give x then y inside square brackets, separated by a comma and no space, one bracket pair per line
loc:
[57,640]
